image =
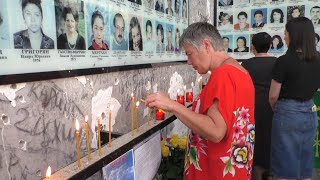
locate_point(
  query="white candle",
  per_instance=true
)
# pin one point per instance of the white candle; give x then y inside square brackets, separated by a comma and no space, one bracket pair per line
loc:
[192,87]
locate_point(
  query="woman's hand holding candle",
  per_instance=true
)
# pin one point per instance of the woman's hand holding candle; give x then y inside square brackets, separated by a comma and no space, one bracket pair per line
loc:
[160,100]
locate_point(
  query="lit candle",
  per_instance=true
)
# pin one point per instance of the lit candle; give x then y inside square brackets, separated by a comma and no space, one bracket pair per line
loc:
[48,173]
[159,114]
[137,115]
[180,98]
[99,138]
[110,130]
[189,95]
[78,141]
[132,114]
[88,138]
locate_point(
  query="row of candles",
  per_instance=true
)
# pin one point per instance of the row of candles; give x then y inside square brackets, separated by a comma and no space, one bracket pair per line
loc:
[159,115]
[48,173]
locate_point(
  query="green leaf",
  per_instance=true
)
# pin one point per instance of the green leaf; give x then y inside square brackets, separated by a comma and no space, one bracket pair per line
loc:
[194,159]
[193,152]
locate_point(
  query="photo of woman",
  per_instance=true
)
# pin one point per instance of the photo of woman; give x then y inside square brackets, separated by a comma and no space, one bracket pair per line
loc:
[159,6]
[135,36]
[160,38]
[177,49]
[169,9]
[177,8]
[277,44]
[148,38]
[184,9]
[71,39]
[276,17]
[148,3]
[242,24]
[241,44]
[170,37]
[225,21]
[98,32]
[33,37]
[295,11]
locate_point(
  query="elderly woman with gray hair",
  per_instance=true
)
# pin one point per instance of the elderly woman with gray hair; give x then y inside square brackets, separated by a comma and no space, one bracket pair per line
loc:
[221,121]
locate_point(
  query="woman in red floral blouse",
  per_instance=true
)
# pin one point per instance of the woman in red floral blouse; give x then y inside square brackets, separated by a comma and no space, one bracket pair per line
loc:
[221,122]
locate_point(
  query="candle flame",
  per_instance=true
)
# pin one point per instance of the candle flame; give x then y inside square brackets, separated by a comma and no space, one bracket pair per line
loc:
[48,174]
[169,90]
[137,103]
[77,125]
[184,87]
[192,84]
[178,90]
[86,118]
[131,94]
[209,72]
[111,107]
[200,78]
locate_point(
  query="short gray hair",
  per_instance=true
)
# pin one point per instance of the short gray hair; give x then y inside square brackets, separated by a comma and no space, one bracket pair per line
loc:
[197,32]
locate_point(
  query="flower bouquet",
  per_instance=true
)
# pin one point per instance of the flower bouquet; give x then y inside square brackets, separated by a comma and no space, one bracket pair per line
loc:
[172,162]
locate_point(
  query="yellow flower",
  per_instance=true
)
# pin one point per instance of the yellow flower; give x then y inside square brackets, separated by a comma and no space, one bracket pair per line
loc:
[175,136]
[185,137]
[182,143]
[174,142]
[162,143]
[165,151]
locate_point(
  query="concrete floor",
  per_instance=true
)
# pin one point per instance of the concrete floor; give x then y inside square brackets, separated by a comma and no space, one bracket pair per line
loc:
[316,174]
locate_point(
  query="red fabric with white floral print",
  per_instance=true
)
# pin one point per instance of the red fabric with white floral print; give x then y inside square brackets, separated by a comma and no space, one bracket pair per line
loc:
[232,157]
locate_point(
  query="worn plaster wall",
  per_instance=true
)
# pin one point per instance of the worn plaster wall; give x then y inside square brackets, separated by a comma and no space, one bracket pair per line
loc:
[37,121]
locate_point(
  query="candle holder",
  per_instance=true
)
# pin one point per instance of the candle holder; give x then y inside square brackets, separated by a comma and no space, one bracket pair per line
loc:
[189,97]
[180,96]
[160,114]
[180,99]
